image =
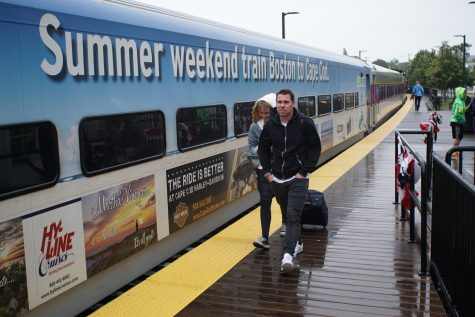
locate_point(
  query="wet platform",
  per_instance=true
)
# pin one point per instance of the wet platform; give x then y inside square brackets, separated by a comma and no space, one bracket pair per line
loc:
[360,265]
[444,138]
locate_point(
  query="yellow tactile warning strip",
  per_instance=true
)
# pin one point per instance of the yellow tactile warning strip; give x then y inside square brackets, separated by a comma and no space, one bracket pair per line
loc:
[172,288]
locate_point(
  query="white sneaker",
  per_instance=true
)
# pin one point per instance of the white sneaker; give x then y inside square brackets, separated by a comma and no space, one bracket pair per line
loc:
[287,263]
[283,229]
[298,248]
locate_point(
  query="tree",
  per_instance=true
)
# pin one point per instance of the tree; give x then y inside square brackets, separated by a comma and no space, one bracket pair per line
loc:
[440,69]
[448,71]
[400,67]
[381,62]
[420,68]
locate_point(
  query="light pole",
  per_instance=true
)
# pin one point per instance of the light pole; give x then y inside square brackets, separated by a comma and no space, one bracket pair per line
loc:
[463,56]
[283,21]
[359,53]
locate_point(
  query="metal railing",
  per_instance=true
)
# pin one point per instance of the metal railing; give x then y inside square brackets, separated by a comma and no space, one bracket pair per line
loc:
[453,235]
[452,229]
[426,176]
[461,150]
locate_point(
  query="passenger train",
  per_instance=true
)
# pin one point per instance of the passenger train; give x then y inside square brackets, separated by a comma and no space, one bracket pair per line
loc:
[123,137]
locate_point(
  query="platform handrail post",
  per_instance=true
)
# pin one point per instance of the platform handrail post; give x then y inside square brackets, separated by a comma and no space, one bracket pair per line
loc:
[429,155]
[396,165]
[460,149]
[425,188]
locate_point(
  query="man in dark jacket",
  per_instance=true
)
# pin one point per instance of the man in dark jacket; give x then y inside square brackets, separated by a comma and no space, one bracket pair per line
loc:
[289,149]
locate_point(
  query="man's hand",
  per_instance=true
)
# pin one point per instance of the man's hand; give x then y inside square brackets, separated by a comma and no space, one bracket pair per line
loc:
[269,177]
[298,175]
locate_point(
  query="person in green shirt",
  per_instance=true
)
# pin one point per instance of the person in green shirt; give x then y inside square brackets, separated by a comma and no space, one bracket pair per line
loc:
[457,119]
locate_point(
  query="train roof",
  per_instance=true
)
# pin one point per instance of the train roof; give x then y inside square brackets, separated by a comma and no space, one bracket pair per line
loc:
[385,75]
[143,15]
[382,69]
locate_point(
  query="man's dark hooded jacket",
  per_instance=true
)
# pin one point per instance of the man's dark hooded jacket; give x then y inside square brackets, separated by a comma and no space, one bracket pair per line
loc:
[287,150]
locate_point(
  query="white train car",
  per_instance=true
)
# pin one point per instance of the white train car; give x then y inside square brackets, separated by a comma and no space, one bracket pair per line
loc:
[123,137]
[386,90]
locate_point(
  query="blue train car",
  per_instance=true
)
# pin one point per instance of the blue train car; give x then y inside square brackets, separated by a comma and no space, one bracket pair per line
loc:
[123,136]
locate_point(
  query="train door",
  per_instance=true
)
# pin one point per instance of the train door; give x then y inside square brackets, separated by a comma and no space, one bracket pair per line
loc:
[369,103]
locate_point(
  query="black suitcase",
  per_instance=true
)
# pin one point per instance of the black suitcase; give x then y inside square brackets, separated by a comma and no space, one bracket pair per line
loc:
[315,210]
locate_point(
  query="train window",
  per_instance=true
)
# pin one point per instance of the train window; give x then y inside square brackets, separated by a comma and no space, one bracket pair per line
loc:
[338,102]
[357,99]
[29,158]
[242,117]
[306,106]
[349,100]
[200,125]
[117,141]
[324,105]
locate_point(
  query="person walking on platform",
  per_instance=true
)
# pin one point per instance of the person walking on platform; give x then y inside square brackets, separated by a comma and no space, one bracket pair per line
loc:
[418,92]
[289,149]
[260,114]
[457,119]
[472,113]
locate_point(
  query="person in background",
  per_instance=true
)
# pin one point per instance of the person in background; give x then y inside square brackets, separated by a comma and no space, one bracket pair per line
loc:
[289,149]
[260,114]
[472,114]
[418,92]
[457,119]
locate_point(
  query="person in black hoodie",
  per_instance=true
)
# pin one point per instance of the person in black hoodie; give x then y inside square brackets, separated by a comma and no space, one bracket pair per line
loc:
[289,149]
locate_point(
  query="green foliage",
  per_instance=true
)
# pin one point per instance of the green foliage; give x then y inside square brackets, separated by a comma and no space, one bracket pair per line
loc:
[440,68]
[381,62]
[393,64]
[401,67]
[421,68]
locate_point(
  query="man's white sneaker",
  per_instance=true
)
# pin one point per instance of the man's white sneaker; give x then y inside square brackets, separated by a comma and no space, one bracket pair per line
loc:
[298,248]
[283,229]
[287,263]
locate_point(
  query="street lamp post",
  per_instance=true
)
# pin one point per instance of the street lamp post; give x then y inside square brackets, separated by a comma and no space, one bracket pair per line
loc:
[283,21]
[463,56]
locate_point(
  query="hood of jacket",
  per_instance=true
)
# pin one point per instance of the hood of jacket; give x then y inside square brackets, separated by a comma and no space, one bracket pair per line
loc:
[459,92]
[270,99]
[458,107]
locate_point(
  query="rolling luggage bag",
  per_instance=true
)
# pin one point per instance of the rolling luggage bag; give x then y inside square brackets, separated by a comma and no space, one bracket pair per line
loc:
[315,210]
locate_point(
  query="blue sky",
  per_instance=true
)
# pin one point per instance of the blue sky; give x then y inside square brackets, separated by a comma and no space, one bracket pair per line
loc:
[379,28]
